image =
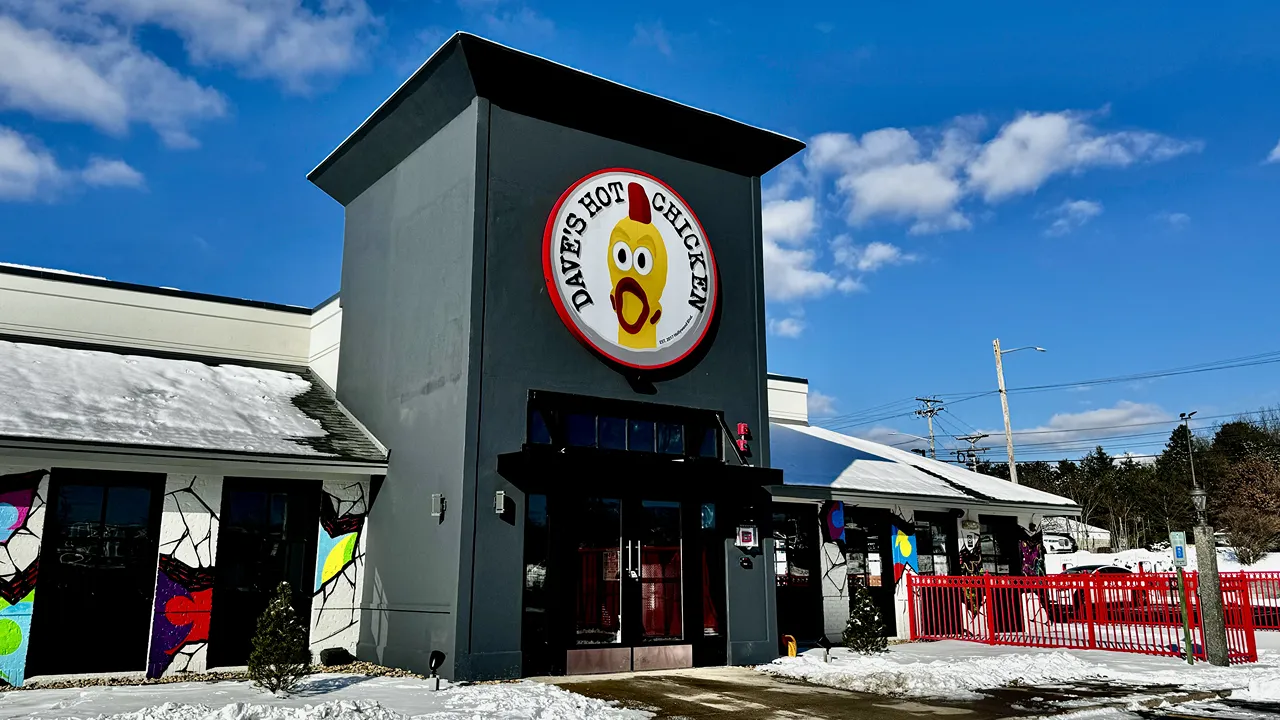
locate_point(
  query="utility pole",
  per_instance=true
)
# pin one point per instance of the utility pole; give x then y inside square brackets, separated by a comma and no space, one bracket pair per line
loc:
[928,411]
[1208,582]
[1004,404]
[970,457]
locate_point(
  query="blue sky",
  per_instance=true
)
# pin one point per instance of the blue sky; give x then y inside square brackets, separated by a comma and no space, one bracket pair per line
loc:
[1094,182]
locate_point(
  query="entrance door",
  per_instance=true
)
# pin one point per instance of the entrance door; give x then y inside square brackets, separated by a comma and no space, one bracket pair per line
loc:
[267,536]
[97,573]
[628,587]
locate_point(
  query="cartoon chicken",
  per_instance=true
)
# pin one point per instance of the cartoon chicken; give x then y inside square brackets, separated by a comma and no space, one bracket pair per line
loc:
[638,272]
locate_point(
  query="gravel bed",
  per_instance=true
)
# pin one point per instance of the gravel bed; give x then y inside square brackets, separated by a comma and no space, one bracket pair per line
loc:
[356,668]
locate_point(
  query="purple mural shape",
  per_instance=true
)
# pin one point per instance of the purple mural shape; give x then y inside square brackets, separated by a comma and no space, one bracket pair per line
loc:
[182,605]
[1032,554]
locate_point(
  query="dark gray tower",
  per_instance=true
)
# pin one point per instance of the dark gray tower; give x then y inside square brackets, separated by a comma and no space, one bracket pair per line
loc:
[455,357]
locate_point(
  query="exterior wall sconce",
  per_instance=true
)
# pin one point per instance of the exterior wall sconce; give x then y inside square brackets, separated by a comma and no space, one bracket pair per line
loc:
[499,502]
[438,506]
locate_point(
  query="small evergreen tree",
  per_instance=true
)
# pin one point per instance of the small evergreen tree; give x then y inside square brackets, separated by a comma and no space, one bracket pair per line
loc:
[279,657]
[865,631]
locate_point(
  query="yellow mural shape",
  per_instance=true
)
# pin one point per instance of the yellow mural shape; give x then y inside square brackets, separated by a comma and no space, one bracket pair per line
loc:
[339,556]
[904,544]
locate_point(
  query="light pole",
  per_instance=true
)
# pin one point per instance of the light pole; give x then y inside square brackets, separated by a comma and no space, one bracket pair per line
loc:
[1004,403]
[1209,585]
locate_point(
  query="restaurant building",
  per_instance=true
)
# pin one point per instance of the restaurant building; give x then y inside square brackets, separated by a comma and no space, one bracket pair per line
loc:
[532,432]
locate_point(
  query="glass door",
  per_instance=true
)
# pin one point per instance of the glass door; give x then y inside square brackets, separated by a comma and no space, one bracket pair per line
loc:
[628,586]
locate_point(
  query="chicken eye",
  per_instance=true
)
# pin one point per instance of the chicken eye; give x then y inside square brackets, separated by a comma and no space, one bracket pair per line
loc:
[643,261]
[622,255]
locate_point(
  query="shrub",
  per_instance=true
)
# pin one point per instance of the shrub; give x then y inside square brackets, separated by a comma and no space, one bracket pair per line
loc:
[865,631]
[279,657]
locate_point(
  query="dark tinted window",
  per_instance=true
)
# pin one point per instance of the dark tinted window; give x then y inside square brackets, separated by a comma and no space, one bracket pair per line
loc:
[613,433]
[538,431]
[670,439]
[640,435]
[709,446]
[581,430]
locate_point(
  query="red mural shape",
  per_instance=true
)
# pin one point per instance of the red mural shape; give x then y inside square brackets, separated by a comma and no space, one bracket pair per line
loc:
[193,611]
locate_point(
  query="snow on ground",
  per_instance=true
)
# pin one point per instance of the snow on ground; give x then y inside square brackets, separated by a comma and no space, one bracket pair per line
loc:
[1153,561]
[92,395]
[324,696]
[953,669]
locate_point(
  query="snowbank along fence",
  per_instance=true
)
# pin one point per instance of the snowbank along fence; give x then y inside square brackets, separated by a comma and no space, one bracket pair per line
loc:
[1138,613]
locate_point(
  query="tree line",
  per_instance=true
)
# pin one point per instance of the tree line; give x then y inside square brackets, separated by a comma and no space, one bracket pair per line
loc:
[1141,502]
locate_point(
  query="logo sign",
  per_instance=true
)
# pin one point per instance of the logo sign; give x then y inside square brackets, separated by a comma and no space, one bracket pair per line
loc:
[1178,540]
[630,269]
[747,537]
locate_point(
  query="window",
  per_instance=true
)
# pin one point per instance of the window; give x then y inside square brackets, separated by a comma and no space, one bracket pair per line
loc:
[709,444]
[539,433]
[670,439]
[640,435]
[931,546]
[613,433]
[580,430]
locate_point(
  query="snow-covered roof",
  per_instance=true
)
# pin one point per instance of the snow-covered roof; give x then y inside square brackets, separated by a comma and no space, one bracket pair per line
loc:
[817,457]
[1072,527]
[63,394]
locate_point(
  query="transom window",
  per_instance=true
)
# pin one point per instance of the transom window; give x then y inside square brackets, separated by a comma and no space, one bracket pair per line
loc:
[574,421]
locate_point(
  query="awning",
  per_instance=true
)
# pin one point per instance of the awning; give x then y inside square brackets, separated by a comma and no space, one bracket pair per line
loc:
[100,399]
[812,457]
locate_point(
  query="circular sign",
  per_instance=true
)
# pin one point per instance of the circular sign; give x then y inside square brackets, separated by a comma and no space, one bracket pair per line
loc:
[629,268]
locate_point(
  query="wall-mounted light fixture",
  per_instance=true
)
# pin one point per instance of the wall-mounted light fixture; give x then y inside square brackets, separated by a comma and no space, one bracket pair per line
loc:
[438,505]
[499,503]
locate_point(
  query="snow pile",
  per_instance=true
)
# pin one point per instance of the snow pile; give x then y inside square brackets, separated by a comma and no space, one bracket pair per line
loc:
[1151,561]
[1263,689]
[59,393]
[959,670]
[322,697]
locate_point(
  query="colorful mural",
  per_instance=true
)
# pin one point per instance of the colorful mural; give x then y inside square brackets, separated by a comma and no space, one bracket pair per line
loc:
[22,506]
[902,537]
[184,581]
[833,522]
[1032,548]
[335,608]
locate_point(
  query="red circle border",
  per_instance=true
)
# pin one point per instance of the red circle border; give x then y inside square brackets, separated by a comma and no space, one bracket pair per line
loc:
[548,274]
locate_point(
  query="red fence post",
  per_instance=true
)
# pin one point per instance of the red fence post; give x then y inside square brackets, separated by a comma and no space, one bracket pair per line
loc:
[912,605]
[991,610]
[1087,602]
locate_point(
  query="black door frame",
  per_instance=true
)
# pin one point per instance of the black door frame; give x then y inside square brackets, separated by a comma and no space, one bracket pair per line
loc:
[304,593]
[44,652]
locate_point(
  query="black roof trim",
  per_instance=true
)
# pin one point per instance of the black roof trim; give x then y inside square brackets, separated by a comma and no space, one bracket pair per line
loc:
[788,378]
[468,66]
[152,290]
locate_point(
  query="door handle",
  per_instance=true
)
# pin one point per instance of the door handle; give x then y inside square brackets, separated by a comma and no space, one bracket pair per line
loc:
[633,571]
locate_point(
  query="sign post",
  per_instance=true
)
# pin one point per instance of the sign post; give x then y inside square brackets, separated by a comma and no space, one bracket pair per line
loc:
[1178,543]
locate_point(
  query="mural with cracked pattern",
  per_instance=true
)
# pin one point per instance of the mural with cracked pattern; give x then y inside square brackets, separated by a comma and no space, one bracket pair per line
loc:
[22,510]
[335,607]
[184,580]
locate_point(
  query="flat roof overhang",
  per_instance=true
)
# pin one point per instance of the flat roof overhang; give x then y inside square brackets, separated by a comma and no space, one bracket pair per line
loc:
[534,468]
[810,493]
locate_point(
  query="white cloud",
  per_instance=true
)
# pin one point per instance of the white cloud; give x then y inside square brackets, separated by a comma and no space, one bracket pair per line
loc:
[103,172]
[790,275]
[26,171]
[652,35]
[509,19]
[1175,220]
[821,405]
[870,257]
[105,81]
[791,327]
[1035,146]
[1066,432]
[1274,155]
[30,172]
[1072,214]
[285,40]
[789,221]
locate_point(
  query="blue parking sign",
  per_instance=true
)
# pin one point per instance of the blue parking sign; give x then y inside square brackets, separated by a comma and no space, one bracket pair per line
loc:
[1178,541]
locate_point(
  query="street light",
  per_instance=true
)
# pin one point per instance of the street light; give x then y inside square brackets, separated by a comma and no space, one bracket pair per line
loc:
[1004,402]
[1210,585]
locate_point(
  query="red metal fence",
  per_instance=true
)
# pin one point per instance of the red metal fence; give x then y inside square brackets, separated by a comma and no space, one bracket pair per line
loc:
[1138,613]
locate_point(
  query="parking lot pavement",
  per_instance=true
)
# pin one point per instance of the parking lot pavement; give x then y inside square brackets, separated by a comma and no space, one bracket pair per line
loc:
[744,694]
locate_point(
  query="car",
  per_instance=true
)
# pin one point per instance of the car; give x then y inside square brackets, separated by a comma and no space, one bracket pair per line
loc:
[1058,543]
[1130,594]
